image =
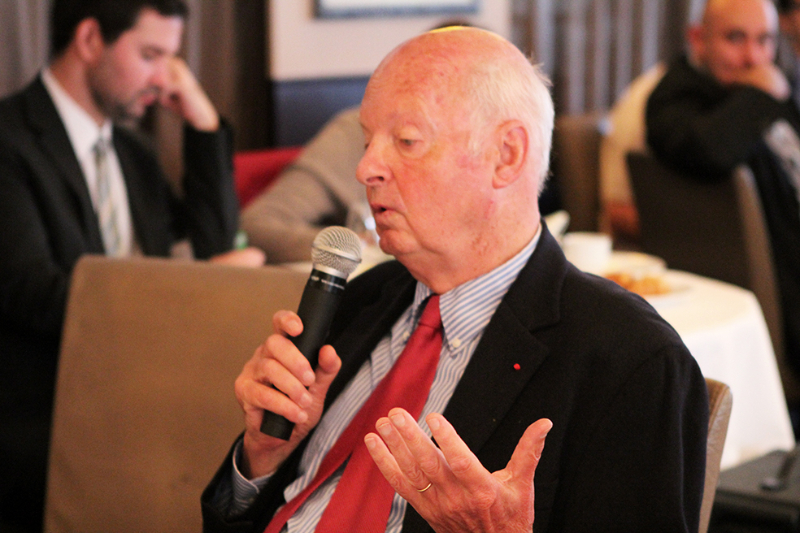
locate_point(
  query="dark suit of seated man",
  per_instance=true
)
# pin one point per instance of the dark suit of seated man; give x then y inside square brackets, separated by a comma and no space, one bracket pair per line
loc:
[63,197]
[458,126]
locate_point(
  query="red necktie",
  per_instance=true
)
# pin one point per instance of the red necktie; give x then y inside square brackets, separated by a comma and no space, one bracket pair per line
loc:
[363,498]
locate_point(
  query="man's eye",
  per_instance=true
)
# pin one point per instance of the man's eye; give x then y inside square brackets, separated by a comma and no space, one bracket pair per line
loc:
[735,37]
[407,142]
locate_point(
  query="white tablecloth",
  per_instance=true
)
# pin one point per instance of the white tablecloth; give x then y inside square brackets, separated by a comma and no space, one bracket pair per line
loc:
[723,327]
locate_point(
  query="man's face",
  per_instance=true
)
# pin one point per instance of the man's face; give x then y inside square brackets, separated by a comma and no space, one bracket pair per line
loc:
[131,71]
[736,39]
[426,188]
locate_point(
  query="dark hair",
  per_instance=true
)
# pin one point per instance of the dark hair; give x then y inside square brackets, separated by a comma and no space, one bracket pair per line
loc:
[115,17]
[785,6]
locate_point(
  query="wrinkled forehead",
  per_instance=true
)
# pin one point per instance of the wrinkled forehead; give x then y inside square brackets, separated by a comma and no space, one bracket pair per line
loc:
[428,70]
[414,87]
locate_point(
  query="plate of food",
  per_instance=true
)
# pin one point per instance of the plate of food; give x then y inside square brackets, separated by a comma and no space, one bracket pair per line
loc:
[635,265]
[676,294]
[644,274]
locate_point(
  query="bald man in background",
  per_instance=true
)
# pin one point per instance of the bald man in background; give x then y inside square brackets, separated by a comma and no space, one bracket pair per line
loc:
[725,104]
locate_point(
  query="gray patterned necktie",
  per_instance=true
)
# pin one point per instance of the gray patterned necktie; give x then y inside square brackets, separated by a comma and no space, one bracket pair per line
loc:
[106,210]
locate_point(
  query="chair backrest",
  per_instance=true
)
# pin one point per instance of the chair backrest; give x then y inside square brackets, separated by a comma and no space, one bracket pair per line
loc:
[713,229]
[693,226]
[763,278]
[145,410]
[254,170]
[576,164]
[720,402]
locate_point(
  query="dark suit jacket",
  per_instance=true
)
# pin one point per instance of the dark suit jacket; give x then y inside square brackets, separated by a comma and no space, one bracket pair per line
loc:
[704,130]
[628,402]
[48,223]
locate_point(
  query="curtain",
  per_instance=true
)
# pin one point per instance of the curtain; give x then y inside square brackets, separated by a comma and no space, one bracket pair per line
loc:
[23,42]
[592,49]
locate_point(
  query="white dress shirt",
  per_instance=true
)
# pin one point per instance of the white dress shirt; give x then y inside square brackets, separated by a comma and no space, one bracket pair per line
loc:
[83,133]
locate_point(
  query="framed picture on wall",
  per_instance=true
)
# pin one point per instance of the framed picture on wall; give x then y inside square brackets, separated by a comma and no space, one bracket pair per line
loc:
[387,8]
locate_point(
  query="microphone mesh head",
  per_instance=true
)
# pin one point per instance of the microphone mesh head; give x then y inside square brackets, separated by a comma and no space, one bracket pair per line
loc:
[336,248]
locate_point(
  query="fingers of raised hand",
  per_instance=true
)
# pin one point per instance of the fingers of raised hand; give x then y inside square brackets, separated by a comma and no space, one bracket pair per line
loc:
[411,461]
[413,453]
[448,485]
[463,464]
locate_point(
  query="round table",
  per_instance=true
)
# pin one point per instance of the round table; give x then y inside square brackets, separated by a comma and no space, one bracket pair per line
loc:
[724,329]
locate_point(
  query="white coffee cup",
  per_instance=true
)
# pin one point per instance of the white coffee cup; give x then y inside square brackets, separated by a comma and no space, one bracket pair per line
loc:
[588,251]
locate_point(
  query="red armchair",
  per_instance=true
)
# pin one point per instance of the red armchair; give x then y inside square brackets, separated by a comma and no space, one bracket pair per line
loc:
[254,170]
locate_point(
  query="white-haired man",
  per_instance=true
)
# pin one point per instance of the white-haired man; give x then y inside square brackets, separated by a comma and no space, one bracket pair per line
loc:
[458,125]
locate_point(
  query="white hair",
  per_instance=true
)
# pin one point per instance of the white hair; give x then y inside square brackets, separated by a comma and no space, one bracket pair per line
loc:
[502,91]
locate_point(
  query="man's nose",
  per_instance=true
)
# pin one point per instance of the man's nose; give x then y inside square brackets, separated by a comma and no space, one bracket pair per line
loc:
[372,170]
[161,73]
[754,53]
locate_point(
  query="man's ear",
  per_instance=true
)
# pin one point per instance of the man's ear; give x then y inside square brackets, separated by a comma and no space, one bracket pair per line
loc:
[514,145]
[88,40]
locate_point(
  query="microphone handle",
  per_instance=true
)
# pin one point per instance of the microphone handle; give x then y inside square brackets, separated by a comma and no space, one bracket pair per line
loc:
[318,305]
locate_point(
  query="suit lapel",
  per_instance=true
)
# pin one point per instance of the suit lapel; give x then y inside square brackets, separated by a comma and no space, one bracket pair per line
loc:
[509,353]
[55,144]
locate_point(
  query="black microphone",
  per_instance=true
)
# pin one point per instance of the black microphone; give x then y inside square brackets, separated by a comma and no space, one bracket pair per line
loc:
[335,253]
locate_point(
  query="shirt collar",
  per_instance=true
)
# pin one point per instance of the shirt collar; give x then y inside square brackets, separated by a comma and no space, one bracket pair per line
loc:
[81,128]
[466,309]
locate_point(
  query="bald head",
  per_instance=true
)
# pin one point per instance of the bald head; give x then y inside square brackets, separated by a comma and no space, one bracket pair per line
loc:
[733,37]
[484,74]
[716,10]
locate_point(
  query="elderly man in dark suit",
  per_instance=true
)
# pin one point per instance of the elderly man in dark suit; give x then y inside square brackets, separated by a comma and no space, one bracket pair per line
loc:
[457,128]
[66,194]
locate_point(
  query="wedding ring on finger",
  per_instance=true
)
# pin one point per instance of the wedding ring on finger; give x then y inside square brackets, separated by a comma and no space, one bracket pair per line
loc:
[426,488]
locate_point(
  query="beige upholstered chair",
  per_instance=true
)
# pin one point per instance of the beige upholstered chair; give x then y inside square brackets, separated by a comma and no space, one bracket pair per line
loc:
[576,148]
[720,402]
[145,409]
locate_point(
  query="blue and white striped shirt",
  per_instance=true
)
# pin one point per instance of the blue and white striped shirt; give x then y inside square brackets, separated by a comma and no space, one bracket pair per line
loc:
[466,311]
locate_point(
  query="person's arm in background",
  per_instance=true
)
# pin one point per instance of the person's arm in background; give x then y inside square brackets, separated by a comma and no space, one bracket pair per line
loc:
[209,210]
[316,190]
[700,127]
[623,131]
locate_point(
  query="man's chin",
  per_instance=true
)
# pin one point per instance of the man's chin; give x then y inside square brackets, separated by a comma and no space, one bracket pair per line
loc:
[386,238]
[129,113]
[396,244]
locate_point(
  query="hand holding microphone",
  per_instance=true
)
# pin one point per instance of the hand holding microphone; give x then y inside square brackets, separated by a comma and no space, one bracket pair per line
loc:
[335,253]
